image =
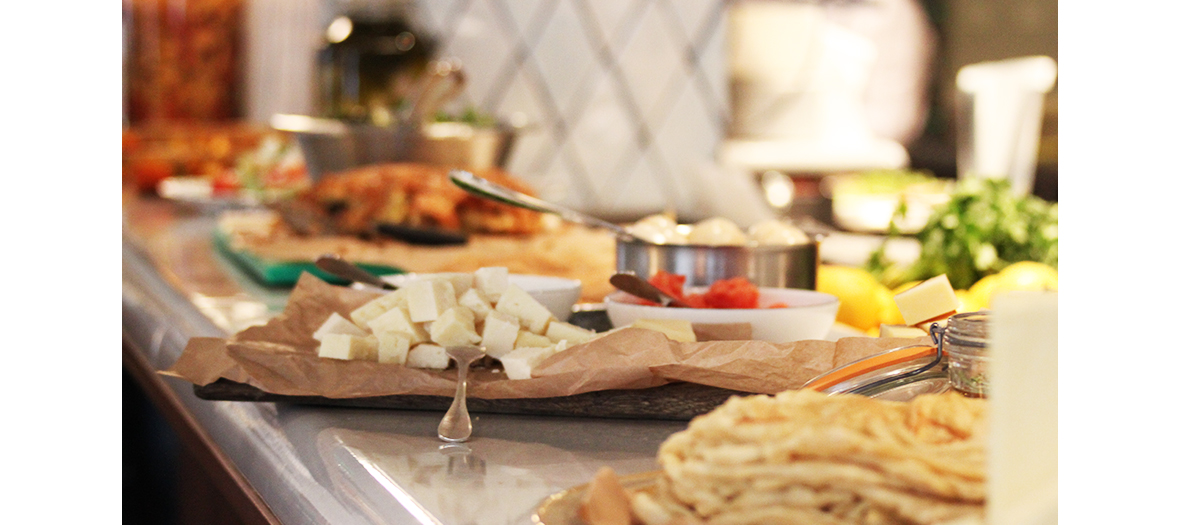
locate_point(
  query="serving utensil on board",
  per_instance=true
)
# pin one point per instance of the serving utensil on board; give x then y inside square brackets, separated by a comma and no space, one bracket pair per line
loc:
[482,187]
[343,269]
[420,234]
[456,423]
[634,285]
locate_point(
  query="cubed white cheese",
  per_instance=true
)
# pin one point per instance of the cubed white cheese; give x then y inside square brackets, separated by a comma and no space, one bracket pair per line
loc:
[479,303]
[372,309]
[525,338]
[492,281]
[397,319]
[896,330]
[519,363]
[393,347]
[337,324]
[499,333]
[344,346]
[518,303]
[427,299]
[427,355]
[675,329]
[927,301]
[460,281]
[454,327]
[563,331]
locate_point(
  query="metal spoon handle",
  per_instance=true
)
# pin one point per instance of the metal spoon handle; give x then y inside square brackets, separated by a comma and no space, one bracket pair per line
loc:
[490,190]
[634,285]
[334,265]
[456,423]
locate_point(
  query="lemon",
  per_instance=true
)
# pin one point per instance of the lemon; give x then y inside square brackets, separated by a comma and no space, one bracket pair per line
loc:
[859,292]
[1024,275]
[890,314]
[967,301]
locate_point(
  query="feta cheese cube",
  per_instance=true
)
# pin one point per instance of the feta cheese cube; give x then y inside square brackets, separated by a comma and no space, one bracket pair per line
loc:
[525,338]
[675,329]
[460,281]
[479,303]
[518,303]
[454,327]
[427,299]
[337,324]
[397,319]
[499,333]
[896,330]
[372,309]
[393,347]
[492,281]
[427,355]
[927,301]
[344,346]
[563,331]
[519,363]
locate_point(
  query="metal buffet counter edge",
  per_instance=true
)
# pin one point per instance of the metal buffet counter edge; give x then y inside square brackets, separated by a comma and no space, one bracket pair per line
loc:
[298,464]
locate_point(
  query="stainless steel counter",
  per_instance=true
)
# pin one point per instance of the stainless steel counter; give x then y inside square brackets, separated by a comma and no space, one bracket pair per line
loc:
[334,465]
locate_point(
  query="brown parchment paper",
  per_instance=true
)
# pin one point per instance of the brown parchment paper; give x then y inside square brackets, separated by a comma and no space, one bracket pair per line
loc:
[280,358]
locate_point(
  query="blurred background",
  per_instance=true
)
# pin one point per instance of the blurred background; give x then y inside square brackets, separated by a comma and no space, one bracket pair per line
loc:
[621,108]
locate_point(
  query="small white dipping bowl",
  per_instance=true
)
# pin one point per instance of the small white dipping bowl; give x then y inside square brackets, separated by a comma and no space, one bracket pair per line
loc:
[809,315]
[558,294]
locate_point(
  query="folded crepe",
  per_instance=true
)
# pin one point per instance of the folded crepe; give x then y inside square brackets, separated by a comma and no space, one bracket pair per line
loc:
[809,458]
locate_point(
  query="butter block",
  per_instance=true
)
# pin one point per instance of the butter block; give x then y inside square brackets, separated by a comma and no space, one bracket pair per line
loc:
[337,324]
[562,331]
[499,333]
[428,298]
[675,329]
[428,355]
[897,330]
[927,301]
[492,281]
[397,319]
[344,346]
[525,338]
[519,363]
[393,347]
[454,327]
[373,309]
[479,303]
[518,303]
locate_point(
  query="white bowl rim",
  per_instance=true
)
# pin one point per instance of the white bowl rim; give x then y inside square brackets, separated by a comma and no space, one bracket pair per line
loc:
[530,282]
[818,299]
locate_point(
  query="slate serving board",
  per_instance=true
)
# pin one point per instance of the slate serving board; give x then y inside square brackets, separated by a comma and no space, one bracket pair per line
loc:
[676,401]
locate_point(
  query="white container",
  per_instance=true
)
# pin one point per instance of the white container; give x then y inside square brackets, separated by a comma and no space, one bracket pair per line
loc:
[810,314]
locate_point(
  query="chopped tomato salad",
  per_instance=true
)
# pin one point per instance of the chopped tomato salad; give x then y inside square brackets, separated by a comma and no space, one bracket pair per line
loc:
[737,292]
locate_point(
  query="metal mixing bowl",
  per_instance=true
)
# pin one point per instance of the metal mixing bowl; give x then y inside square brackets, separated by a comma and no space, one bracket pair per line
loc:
[331,145]
[793,266]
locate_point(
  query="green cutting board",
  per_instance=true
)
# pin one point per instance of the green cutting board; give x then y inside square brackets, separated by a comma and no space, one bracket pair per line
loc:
[270,272]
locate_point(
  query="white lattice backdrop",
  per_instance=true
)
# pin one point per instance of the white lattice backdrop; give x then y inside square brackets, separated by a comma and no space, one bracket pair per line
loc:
[627,98]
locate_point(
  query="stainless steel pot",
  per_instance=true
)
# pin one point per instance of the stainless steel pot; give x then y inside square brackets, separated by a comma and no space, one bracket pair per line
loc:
[775,266]
[793,266]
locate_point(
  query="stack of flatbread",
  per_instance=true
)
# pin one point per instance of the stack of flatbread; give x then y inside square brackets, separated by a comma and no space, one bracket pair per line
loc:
[809,458]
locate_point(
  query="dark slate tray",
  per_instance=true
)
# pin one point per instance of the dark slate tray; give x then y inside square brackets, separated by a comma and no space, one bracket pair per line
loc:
[676,401]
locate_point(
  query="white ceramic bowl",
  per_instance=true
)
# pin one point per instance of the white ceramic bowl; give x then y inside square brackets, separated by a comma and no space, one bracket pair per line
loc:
[558,294]
[810,314]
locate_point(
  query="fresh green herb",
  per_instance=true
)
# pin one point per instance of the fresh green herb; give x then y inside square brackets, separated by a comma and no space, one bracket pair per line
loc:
[471,116]
[981,230]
